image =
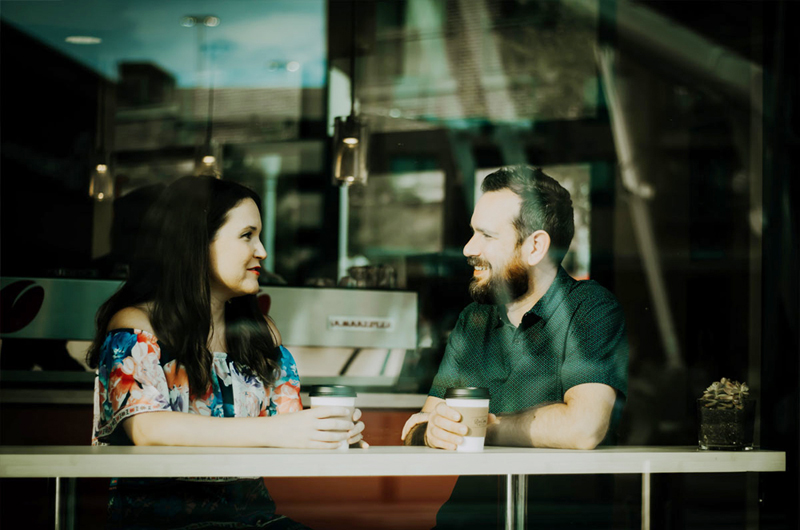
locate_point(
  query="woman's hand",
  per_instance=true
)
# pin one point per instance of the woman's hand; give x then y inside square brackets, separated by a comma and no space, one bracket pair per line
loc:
[318,428]
[356,439]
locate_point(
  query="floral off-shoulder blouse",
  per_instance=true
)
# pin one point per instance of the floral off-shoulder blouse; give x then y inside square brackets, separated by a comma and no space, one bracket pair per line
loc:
[137,374]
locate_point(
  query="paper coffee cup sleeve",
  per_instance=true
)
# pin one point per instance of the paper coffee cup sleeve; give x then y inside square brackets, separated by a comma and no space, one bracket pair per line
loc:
[475,419]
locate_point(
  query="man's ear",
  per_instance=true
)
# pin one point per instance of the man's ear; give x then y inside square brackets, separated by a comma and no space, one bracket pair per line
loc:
[535,247]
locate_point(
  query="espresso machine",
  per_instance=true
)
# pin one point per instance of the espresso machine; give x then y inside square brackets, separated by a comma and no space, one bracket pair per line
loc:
[351,336]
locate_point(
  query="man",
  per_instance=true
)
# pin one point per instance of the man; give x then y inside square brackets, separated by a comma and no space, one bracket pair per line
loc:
[551,350]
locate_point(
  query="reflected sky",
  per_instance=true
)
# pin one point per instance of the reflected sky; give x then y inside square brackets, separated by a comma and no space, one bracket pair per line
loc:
[252,46]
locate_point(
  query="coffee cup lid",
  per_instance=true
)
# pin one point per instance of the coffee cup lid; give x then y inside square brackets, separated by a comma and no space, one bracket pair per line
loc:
[470,392]
[332,391]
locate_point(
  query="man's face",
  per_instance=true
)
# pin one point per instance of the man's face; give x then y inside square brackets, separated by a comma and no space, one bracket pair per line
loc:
[500,275]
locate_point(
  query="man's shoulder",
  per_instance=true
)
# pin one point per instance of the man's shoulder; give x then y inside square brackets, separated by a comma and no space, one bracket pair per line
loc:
[476,313]
[589,299]
[590,291]
[476,317]
[476,308]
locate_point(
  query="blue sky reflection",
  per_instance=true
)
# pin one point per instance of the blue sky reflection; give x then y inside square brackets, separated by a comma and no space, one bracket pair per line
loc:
[251,47]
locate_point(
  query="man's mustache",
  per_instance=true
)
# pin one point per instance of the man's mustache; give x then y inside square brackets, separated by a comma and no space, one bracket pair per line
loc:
[477,262]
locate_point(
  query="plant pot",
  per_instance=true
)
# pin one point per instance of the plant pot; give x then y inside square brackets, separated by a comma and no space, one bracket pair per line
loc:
[726,429]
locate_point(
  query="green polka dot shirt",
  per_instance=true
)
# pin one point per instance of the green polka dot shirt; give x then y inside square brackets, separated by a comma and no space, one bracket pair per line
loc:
[574,334]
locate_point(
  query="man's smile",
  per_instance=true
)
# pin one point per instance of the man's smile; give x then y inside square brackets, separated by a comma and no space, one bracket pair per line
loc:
[479,271]
[479,267]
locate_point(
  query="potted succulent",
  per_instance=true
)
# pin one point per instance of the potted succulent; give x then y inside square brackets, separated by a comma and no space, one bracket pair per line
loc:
[727,416]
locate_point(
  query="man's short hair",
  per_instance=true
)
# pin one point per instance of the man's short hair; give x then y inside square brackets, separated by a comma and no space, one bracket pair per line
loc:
[546,205]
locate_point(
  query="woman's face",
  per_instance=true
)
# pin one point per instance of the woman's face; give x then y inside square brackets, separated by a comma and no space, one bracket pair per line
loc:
[236,252]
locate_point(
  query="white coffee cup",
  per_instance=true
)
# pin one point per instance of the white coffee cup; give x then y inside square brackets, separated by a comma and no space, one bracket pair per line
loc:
[473,405]
[334,396]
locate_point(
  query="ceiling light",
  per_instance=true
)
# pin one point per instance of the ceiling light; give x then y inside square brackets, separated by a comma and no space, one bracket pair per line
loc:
[83,39]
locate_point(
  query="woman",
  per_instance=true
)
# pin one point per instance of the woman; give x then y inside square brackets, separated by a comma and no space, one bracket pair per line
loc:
[185,357]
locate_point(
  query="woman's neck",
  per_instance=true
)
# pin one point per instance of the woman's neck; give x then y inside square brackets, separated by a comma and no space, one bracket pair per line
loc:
[216,335]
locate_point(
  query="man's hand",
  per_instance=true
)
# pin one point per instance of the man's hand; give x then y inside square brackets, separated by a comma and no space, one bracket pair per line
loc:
[444,430]
[435,426]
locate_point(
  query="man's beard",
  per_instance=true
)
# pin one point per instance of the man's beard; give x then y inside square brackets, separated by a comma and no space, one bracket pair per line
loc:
[502,287]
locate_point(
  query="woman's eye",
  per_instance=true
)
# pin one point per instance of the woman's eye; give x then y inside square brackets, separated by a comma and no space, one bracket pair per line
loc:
[247,235]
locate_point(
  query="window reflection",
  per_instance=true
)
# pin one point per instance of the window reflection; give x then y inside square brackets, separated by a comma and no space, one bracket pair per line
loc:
[451,90]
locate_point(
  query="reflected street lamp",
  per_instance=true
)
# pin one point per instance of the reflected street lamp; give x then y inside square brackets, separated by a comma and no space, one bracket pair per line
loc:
[350,133]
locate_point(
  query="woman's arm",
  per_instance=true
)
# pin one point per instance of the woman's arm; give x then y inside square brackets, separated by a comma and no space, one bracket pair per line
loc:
[317,428]
[134,376]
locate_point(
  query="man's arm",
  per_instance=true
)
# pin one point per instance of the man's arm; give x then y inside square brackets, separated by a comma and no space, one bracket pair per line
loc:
[580,422]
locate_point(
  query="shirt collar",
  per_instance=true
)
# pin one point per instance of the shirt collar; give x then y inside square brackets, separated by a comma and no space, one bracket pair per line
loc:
[555,294]
[547,304]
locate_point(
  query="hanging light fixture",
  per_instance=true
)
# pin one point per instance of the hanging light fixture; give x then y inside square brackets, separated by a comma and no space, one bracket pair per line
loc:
[206,163]
[101,180]
[101,183]
[350,133]
[349,140]
[207,155]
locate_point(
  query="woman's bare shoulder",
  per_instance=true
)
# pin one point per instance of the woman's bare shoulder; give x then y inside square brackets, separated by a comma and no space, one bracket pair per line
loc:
[135,317]
[274,329]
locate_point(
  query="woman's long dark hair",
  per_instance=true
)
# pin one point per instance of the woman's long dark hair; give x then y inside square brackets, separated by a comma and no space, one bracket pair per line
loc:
[171,272]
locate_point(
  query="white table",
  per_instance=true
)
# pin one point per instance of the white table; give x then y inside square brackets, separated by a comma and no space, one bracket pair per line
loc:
[82,461]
